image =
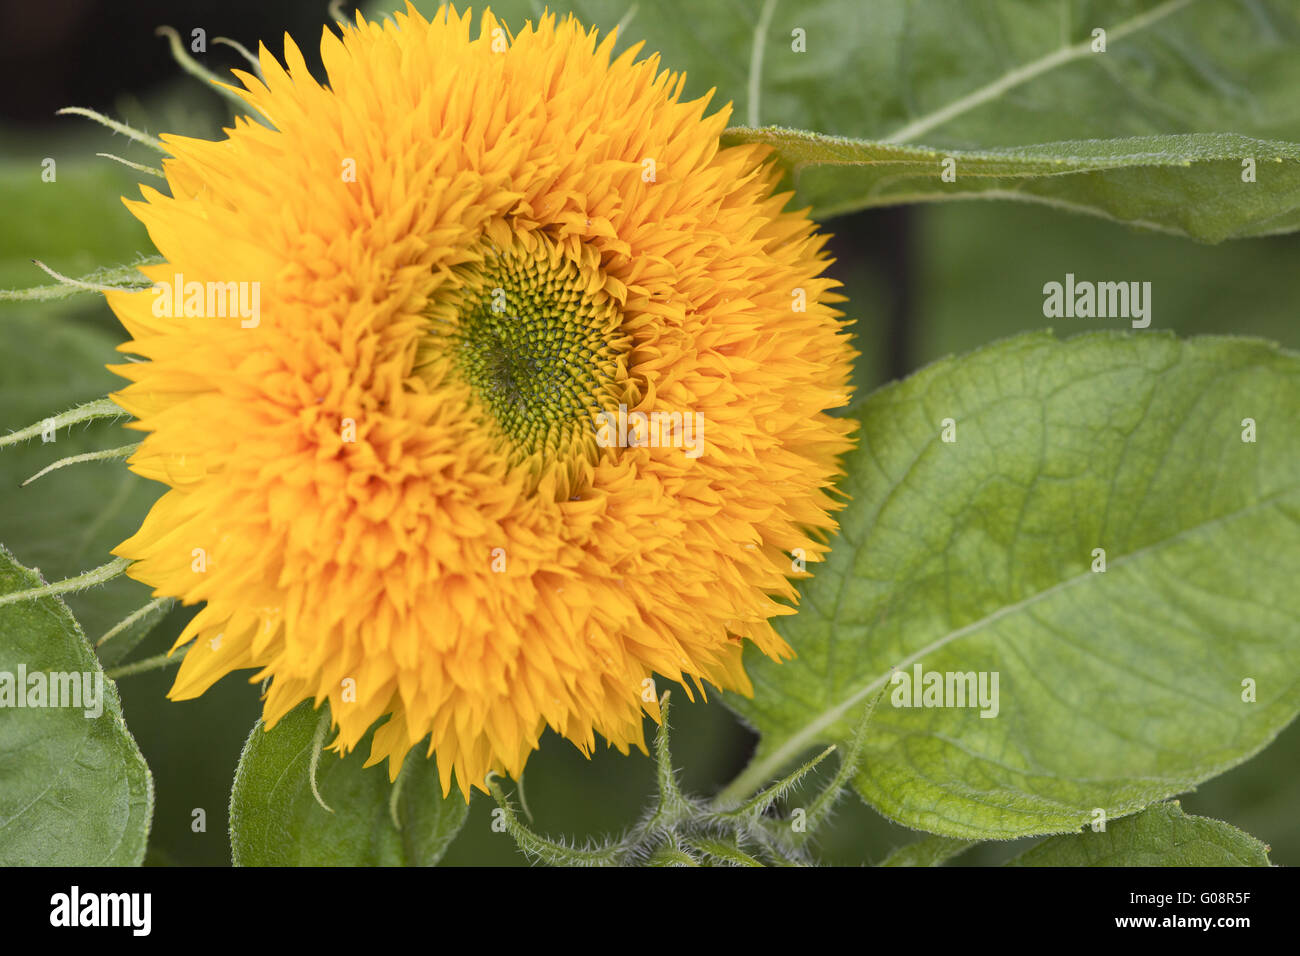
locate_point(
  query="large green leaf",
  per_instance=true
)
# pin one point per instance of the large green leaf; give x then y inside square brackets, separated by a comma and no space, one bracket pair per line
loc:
[1117,688]
[1186,184]
[1002,73]
[275,819]
[1160,836]
[969,75]
[74,789]
[1011,89]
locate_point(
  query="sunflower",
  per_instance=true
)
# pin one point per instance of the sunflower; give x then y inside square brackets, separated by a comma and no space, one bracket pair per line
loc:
[523,400]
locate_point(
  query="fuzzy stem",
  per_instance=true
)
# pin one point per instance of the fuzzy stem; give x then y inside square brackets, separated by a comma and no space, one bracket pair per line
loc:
[396,795]
[132,618]
[141,167]
[66,280]
[194,68]
[100,408]
[99,575]
[122,278]
[157,662]
[108,454]
[243,51]
[317,745]
[114,125]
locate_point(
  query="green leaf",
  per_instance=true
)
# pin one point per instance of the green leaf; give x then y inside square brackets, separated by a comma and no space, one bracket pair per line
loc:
[1160,836]
[965,75]
[1116,688]
[1183,184]
[275,820]
[1152,131]
[928,851]
[74,790]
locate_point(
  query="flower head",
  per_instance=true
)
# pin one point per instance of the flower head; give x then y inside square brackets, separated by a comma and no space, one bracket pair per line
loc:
[524,399]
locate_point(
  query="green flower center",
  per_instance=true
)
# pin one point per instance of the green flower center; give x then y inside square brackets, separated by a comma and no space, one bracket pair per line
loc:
[540,342]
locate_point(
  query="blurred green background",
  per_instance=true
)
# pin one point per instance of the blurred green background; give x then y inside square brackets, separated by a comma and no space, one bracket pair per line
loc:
[922,282]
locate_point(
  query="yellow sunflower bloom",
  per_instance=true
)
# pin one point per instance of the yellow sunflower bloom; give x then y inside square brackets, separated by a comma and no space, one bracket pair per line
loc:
[486,384]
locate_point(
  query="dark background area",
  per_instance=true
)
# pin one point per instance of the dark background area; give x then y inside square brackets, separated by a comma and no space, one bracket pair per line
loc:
[91,52]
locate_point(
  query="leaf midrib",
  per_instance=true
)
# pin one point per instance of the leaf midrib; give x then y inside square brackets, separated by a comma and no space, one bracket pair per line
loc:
[1027,72]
